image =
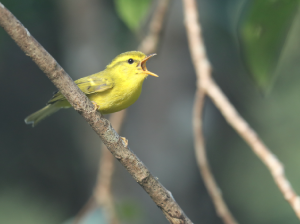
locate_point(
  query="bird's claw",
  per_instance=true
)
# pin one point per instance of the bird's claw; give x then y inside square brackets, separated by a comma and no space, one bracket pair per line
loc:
[125,141]
[96,106]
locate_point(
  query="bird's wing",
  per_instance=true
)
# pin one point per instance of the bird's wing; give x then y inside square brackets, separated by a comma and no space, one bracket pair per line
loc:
[88,85]
[94,84]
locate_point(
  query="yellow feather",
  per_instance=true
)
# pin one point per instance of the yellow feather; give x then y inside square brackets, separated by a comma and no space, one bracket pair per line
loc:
[114,89]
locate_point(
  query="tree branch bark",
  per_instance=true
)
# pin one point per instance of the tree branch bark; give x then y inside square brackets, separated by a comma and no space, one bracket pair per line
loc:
[160,195]
[102,191]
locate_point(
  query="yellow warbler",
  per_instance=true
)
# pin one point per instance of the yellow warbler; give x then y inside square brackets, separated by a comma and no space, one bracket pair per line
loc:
[114,89]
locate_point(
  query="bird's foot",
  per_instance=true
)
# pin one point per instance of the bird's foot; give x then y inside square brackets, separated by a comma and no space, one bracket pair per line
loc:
[96,106]
[125,141]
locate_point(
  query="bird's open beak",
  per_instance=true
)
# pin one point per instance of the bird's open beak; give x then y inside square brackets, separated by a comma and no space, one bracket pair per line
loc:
[143,65]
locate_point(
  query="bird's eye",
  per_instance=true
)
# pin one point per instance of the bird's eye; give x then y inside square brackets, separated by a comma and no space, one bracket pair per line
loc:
[130,61]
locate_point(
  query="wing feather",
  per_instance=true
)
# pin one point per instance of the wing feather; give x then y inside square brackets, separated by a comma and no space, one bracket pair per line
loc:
[91,84]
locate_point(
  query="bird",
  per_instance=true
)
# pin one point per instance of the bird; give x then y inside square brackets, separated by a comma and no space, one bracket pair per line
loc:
[111,90]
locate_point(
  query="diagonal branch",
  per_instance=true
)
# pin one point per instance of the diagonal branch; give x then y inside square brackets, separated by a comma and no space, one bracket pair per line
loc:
[258,147]
[202,68]
[160,195]
[102,191]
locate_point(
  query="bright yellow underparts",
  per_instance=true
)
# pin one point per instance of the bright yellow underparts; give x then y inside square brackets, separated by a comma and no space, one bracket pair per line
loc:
[114,89]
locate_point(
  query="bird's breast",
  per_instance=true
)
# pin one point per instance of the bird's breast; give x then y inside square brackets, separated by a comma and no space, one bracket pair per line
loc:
[118,98]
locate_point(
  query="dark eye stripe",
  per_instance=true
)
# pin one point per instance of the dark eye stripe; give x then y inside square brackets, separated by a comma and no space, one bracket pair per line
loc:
[130,61]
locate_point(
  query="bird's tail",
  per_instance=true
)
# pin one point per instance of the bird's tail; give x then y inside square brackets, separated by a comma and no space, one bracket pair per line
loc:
[41,114]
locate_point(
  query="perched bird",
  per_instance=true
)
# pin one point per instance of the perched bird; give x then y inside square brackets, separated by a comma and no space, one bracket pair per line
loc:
[112,90]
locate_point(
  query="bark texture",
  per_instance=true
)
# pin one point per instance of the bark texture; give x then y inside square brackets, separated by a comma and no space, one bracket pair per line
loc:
[161,196]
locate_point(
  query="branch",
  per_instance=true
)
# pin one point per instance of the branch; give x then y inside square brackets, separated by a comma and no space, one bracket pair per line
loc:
[102,191]
[161,196]
[203,71]
[258,147]
[208,178]
[202,68]
[150,42]
[102,195]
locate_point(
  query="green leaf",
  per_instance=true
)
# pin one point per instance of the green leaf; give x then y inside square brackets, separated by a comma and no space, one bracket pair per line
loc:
[132,12]
[262,34]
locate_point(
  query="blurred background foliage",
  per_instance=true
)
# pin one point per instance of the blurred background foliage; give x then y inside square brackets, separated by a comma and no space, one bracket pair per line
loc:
[47,173]
[132,12]
[264,28]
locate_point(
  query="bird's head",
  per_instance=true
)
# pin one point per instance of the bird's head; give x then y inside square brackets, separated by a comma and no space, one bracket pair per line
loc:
[131,64]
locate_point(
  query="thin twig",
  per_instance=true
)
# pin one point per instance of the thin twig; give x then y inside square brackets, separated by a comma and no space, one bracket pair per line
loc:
[203,71]
[202,160]
[88,206]
[150,42]
[202,68]
[159,194]
[256,144]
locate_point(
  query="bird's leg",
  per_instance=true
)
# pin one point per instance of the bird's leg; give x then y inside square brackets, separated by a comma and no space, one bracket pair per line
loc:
[125,141]
[96,106]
